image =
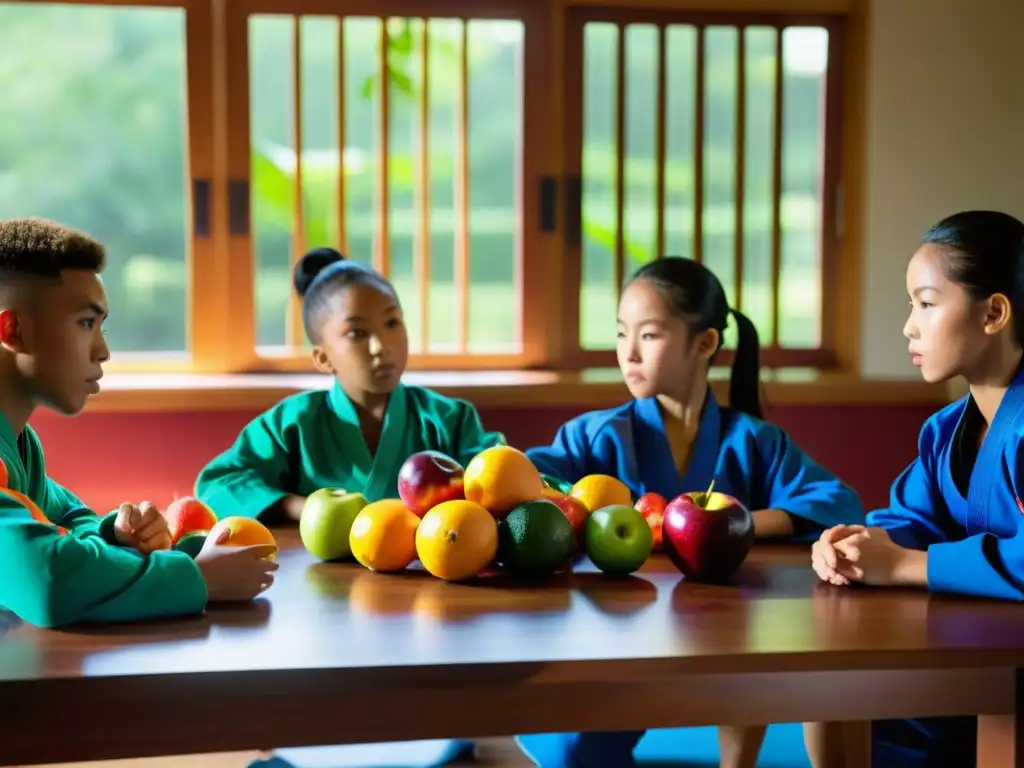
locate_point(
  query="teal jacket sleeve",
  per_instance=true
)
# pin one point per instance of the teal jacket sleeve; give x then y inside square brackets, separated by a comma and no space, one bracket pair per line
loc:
[249,477]
[66,510]
[470,436]
[51,580]
[814,497]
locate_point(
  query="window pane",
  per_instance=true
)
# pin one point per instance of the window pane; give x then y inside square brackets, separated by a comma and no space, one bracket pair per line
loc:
[680,114]
[93,135]
[421,240]
[495,126]
[805,60]
[759,143]
[719,215]
[598,294]
[271,103]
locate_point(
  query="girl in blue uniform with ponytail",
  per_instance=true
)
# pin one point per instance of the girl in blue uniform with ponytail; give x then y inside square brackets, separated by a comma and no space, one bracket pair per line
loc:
[674,437]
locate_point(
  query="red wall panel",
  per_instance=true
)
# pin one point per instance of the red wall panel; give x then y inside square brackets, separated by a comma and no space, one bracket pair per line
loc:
[107,458]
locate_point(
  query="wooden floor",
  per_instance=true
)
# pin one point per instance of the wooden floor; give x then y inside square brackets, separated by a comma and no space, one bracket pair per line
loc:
[493,753]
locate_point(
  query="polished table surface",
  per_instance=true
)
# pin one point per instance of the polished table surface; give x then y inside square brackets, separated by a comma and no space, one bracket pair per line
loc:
[337,654]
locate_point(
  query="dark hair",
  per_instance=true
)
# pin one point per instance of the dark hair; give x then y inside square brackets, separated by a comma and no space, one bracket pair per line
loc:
[696,295]
[34,247]
[320,274]
[985,254]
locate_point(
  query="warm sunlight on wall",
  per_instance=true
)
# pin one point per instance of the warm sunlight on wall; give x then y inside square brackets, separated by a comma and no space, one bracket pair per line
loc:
[945,107]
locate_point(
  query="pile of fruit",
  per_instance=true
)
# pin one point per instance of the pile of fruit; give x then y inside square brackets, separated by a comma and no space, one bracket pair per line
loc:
[500,512]
[497,513]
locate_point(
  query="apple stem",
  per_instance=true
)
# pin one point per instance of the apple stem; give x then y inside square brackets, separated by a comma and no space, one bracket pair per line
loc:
[705,498]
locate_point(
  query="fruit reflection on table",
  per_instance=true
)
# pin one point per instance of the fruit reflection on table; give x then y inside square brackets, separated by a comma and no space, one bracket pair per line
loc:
[500,515]
[414,592]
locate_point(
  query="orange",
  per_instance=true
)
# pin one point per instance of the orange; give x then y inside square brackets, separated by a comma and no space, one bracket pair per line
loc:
[383,535]
[596,491]
[244,532]
[457,540]
[501,477]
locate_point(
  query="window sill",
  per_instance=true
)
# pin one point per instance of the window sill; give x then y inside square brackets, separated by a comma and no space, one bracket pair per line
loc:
[178,392]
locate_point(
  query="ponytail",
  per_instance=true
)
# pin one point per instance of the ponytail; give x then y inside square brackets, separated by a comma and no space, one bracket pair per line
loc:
[745,381]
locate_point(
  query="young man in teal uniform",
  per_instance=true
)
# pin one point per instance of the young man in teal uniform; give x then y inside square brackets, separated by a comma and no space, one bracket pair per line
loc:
[60,564]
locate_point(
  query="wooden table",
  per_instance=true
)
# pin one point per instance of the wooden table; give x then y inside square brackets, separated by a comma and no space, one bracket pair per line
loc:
[336,654]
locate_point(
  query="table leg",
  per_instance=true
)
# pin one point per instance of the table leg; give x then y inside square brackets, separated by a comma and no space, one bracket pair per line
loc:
[838,745]
[999,742]
[1001,737]
[857,744]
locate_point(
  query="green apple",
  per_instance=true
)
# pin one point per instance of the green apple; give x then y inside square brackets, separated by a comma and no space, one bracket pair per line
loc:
[619,540]
[326,521]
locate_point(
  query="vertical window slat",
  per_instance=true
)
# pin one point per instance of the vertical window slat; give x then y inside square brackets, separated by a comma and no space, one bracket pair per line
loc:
[698,150]
[741,137]
[423,189]
[777,187]
[295,330]
[620,160]
[659,161]
[382,251]
[342,228]
[462,194]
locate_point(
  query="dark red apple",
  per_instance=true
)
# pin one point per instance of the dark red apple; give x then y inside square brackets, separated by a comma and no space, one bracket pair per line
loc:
[652,507]
[575,511]
[428,478]
[707,535]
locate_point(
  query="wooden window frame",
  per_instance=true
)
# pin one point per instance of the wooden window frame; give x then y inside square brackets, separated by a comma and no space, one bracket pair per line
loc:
[220,265]
[824,356]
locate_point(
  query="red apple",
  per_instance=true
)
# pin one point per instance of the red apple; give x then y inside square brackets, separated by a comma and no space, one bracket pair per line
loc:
[652,507]
[574,510]
[428,478]
[707,535]
[188,515]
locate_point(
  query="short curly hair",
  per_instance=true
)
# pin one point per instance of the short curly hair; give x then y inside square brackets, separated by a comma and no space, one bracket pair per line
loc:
[37,247]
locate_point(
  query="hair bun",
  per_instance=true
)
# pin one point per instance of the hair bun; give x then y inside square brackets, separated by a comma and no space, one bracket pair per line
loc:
[312,264]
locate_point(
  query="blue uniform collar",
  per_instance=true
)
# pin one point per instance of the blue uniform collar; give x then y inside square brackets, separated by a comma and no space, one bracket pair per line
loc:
[655,465]
[1004,423]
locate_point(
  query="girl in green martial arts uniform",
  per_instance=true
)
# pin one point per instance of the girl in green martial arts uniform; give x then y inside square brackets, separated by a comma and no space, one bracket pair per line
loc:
[355,435]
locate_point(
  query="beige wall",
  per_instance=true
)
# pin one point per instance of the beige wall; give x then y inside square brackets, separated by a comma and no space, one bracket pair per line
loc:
[945,132]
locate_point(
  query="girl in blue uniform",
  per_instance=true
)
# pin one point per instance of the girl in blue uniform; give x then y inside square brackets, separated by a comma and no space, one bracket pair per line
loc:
[955,522]
[674,437]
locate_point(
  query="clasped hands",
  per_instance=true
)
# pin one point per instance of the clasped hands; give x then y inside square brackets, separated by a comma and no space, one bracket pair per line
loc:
[855,553]
[142,527]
